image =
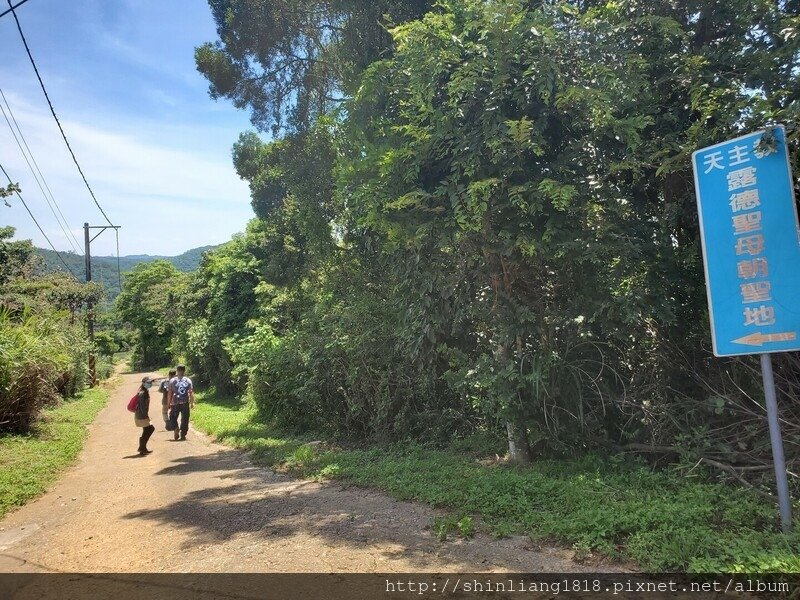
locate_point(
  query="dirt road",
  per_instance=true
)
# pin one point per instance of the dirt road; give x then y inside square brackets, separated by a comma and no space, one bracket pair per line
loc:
[197,506]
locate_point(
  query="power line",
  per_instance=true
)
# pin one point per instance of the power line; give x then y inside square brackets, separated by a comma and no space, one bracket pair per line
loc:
[36,178]
[98,264]
[119,272]
[33,158]
[53,205]
[39,227]
[52,110]
[5,12]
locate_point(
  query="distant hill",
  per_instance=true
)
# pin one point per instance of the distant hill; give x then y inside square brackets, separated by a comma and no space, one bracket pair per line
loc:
[104,268]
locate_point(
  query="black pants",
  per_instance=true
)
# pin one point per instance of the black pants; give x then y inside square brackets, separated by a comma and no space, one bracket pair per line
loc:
[183,411]
[146,433]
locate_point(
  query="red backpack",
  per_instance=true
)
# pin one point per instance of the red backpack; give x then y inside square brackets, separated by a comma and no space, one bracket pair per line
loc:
[133,403]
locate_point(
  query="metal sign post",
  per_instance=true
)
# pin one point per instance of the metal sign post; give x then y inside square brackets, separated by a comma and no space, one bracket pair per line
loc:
[784,500]
[751,248]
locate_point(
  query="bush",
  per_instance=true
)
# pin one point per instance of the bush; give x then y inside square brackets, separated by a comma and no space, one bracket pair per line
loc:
[346,368]
[204,351]
[42,357]
[104,367]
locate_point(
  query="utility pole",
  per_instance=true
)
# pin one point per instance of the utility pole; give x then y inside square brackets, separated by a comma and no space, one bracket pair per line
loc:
[90,307]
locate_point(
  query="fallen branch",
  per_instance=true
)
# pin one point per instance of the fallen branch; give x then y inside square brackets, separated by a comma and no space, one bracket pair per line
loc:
[753,468]
[650,449]
[647,448]
[732,470]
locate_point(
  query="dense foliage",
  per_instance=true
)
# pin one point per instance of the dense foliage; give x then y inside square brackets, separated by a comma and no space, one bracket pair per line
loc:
[43,346]
[148,303]
[493,228]
[292,61]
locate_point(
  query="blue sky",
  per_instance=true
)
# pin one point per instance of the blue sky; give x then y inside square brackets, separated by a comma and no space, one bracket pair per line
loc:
[154,147]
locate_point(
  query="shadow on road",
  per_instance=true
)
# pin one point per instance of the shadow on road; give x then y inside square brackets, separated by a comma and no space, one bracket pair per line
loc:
[237,498]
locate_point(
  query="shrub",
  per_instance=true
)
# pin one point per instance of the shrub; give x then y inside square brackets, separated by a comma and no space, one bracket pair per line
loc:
[42,357]
[345,369]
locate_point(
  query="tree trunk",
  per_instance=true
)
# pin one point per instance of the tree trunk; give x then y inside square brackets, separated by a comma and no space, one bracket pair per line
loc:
[518,449]
[501,281]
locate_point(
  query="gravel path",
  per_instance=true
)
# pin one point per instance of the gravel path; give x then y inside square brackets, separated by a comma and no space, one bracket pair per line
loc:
[198,506]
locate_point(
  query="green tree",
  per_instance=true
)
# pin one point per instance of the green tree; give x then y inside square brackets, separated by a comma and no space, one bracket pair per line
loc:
[479,137]
[148,302]
[220,299]
[501,217]
[17,258]
[22,283]
[293,59]
[298,168]
[9,190]
[549,143]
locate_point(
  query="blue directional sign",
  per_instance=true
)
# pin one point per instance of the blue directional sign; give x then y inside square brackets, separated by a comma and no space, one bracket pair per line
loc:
[751,243]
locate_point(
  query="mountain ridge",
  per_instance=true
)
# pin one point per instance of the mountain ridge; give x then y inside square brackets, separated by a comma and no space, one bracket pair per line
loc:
[104,268]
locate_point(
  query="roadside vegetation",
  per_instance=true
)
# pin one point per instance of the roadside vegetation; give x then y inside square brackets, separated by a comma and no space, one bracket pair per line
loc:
[478,218]
[494,229]
[44,350]
[604,509]
[30,462]
[45,405]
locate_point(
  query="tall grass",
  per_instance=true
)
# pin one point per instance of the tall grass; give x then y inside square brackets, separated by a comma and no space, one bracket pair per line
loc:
[42,357]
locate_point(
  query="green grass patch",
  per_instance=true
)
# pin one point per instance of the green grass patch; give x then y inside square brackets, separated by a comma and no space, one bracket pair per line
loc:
[122,360]
[235,423]
[622,509]
[30,463]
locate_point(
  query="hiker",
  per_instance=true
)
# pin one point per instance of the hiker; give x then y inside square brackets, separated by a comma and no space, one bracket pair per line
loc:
[141,416]
[181,397]
[164,389]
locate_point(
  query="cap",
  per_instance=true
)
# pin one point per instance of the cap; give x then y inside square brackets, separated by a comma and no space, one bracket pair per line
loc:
[181,367]
[147,380]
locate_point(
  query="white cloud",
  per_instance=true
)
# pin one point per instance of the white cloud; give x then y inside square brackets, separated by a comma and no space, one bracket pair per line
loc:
[162,97]
[167,186]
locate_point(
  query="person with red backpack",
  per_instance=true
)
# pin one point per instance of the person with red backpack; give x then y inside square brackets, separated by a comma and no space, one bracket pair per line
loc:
[141,414]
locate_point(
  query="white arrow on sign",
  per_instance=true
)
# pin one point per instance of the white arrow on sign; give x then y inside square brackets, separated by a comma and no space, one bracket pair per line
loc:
[757,339]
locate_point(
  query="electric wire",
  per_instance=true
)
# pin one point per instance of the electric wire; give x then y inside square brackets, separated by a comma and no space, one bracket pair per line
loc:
[53,111]
[41,175]
[36,178]
[98,264]
[8,10]
[39,227]
[119,272]
[51,201]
